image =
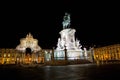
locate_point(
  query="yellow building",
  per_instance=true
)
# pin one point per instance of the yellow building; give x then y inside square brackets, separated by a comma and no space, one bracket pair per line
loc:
[8,56]
[13,56]
[107,53]
[21,55]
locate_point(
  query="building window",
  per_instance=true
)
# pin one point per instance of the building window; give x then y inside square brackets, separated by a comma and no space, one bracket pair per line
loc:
[4,55]
[8,55]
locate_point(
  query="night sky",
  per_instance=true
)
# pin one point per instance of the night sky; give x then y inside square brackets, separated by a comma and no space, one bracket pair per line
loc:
[96,23]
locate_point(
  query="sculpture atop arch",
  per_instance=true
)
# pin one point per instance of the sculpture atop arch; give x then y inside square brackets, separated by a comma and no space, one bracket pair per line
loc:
[28,42]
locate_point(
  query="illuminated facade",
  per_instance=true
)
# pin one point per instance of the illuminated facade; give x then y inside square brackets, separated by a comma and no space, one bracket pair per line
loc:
[107,53]
[28,42]
[20,54]
[8,56]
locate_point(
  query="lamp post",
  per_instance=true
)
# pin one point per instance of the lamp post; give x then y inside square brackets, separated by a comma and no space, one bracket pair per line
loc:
[52,57]
[65,53]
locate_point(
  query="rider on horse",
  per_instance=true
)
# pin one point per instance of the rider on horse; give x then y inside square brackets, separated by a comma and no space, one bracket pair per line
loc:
[66,21]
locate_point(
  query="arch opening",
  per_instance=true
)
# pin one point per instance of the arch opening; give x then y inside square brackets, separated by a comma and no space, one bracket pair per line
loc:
[28,51]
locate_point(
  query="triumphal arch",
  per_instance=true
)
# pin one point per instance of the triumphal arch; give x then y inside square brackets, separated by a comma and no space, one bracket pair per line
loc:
[36,53]
[28,42]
